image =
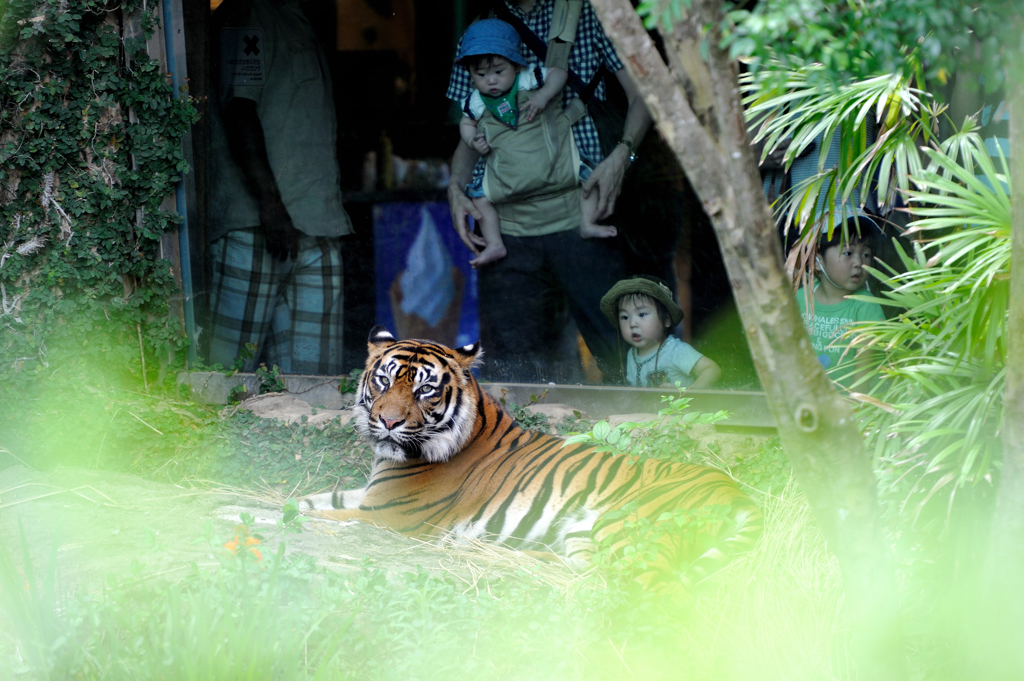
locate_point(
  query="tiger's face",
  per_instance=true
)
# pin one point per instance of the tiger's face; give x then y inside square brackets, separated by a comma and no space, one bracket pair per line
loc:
[416,399]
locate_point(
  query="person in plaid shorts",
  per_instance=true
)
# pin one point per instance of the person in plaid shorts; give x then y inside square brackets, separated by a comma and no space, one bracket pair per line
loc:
[543,272]
[276,212]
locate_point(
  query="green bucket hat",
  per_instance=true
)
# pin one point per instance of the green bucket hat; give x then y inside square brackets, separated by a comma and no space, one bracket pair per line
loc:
[647,285]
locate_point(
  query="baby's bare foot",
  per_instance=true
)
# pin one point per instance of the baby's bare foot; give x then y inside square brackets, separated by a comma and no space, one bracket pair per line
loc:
[489,254]
[597,231]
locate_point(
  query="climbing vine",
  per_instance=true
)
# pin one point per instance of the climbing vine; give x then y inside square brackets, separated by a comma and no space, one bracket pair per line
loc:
[90,147]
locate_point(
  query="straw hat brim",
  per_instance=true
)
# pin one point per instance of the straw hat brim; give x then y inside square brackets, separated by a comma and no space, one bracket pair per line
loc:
[661,293]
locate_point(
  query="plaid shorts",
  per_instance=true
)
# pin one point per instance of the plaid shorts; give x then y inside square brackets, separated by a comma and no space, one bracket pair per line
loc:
[292,311]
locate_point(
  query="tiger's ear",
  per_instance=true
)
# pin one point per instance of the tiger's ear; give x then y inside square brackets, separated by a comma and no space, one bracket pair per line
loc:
[380,338]
[469,355]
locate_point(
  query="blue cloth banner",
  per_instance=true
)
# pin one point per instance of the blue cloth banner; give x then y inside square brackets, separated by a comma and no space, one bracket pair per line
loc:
[425,286]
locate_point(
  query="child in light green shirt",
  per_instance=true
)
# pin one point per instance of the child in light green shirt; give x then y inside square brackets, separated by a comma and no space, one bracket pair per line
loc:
[644,310]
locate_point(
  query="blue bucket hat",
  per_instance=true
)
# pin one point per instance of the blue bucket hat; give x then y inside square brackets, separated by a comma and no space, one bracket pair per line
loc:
[491,36]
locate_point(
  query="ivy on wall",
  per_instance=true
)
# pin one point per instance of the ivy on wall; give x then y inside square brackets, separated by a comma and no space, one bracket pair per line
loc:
[90,146]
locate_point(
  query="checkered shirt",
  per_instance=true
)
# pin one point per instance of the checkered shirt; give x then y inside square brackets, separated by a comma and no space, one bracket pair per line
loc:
[591,49]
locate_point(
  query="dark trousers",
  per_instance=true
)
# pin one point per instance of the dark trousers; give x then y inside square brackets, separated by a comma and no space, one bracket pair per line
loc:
[521,296]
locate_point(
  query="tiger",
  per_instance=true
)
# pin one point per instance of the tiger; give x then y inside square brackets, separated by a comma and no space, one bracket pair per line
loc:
[450,460]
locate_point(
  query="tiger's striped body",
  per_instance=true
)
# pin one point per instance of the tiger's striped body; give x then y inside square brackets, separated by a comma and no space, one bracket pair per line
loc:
[449,458]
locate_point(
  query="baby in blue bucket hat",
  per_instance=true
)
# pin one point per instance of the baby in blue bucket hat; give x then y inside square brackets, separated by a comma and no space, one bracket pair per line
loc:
[491,51]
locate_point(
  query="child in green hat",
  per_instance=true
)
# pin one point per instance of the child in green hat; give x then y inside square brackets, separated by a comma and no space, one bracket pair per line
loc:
[644,311]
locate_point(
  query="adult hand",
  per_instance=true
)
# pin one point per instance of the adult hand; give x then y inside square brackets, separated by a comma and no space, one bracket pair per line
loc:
[606,180]
[281,237]
[462,206]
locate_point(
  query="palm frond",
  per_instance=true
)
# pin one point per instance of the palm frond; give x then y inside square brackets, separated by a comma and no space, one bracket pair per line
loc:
[797,108]
[942,372]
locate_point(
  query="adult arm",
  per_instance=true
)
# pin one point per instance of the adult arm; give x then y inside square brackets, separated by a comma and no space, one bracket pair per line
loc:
[461,206]
[249,151]
[607,176]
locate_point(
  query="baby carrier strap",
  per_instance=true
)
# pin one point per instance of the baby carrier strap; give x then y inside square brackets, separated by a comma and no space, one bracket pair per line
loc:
[565,19]
[575,111]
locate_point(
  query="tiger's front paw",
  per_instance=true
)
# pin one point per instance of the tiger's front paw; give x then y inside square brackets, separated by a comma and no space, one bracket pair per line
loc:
[317,502]
[332,501]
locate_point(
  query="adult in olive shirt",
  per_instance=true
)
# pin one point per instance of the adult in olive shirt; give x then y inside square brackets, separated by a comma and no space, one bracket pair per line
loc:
[276,212]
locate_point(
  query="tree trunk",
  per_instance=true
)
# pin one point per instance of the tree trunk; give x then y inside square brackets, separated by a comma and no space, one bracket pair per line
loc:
[1004,578]
[696,106]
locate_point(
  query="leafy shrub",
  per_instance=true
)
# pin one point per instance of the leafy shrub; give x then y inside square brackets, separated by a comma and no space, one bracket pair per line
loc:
[646,540]
[767,470]
[350,383]
[526,418]
[90,146]
[666,438]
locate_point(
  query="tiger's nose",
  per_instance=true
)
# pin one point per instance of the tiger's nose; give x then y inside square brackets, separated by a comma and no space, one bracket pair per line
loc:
[389,423]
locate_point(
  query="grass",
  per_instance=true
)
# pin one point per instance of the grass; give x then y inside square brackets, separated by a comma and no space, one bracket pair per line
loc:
[90,421]
[776,613]
[495,615]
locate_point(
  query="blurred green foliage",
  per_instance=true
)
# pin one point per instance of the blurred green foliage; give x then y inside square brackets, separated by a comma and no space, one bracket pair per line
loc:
[90,420]
[857,39]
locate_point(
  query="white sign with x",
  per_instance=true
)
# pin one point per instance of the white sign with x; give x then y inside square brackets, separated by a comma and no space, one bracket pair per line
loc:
[242,57]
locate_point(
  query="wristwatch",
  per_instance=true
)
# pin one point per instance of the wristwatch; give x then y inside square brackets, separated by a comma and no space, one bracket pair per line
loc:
[632,150]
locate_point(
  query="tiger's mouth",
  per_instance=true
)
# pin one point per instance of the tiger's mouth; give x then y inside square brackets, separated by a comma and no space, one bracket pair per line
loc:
[395,445]
[424,444]
[394,449]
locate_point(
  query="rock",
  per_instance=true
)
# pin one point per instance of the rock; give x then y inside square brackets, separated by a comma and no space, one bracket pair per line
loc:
[214,387]
[554,412]
[616,419]
[291,409]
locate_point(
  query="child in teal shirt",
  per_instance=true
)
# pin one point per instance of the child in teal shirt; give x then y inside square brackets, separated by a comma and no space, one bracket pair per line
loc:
[840,272]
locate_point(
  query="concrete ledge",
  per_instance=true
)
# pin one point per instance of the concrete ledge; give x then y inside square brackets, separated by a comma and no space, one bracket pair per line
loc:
[748,409]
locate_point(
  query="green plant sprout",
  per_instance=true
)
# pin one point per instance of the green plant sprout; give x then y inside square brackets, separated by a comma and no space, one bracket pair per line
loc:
[665,438]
